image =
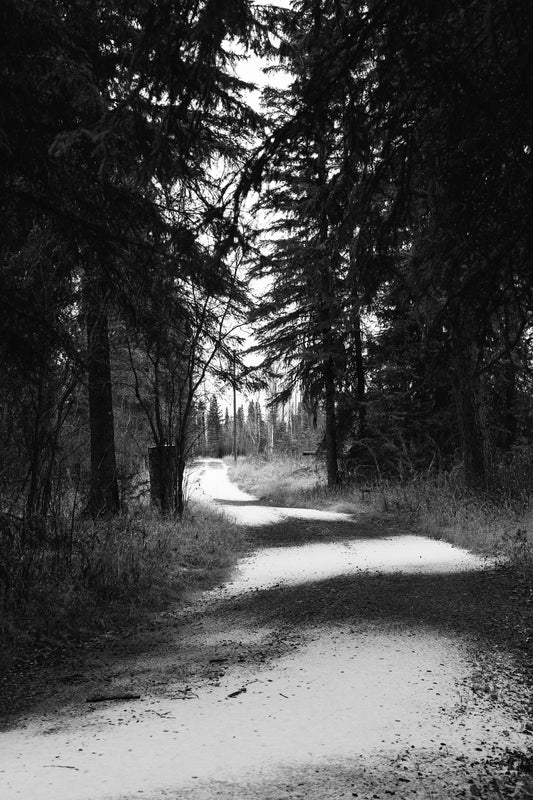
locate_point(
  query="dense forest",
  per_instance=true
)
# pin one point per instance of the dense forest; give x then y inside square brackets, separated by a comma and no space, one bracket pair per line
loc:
[382,197]
[399,188]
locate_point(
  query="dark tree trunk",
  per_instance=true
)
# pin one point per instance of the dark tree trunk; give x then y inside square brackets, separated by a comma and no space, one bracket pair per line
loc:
[326,312]
[472,418]
[180,493]
[360,377]
[104,495]
[162,464]
[331,423]
[510,420]
[358,342]
[39,437]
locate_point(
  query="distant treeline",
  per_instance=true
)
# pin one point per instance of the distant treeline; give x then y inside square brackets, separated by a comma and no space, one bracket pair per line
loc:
[289,429]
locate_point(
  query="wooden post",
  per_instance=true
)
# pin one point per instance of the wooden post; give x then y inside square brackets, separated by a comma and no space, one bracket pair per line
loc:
[162,467]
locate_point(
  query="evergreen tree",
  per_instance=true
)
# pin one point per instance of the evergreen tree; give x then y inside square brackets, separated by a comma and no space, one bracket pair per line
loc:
[109,122]
[215,444]
[241,431]
[302,311]
[450,83]
[227,434]
[398,143]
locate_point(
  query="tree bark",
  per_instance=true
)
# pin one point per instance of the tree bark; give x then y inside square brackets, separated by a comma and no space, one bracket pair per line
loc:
[358,344]
[510,420]
[163,476]
[104,495]
[180,490]
[40,434]
[332,464]
[472,418]
[326,312]
[360,376]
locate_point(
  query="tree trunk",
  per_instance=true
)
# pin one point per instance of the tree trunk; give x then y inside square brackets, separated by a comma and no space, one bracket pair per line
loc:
[510,420]
[360,377]
[326,315]
[162,466]
[104,495]
[472,418]
[39,438]
[180,492]
[331,424]
[358,341]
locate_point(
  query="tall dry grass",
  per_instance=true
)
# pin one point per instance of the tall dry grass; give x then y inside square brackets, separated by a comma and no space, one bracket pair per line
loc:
[442,508]
[282,480]
[104,573]
[437,506]
[278,479]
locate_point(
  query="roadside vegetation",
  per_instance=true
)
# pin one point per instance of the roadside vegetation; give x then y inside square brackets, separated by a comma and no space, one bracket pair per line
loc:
[119,266]
[439,506]
[111,572]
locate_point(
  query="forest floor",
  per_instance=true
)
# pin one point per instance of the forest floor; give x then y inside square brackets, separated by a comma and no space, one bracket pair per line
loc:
[345,656]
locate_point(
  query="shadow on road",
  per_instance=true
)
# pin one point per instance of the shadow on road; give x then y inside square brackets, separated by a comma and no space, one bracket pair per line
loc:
[290,532]
[467,602]
[237,502]
[493,607]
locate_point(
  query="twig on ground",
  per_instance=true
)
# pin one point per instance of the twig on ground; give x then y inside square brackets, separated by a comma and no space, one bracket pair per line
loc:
[102,698]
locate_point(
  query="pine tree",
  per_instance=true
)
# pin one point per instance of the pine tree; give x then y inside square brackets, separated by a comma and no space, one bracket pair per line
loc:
[215,443]
[302,311]
[398,143]
[227,433]
[110,120]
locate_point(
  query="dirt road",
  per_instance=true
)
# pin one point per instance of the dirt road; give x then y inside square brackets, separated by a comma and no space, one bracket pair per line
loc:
[343,658]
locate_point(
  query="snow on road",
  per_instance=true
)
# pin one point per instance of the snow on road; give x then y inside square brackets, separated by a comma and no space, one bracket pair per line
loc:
[341,698]
[311,721]
[317,561]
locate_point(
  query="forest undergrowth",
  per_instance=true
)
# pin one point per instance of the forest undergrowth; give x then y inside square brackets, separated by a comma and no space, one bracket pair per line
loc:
[101,576]
[438,506]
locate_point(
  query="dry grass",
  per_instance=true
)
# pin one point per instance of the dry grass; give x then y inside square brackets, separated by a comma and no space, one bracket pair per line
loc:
[444,510]
[294,482]
[112,570]
[438,507]
[280,479]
